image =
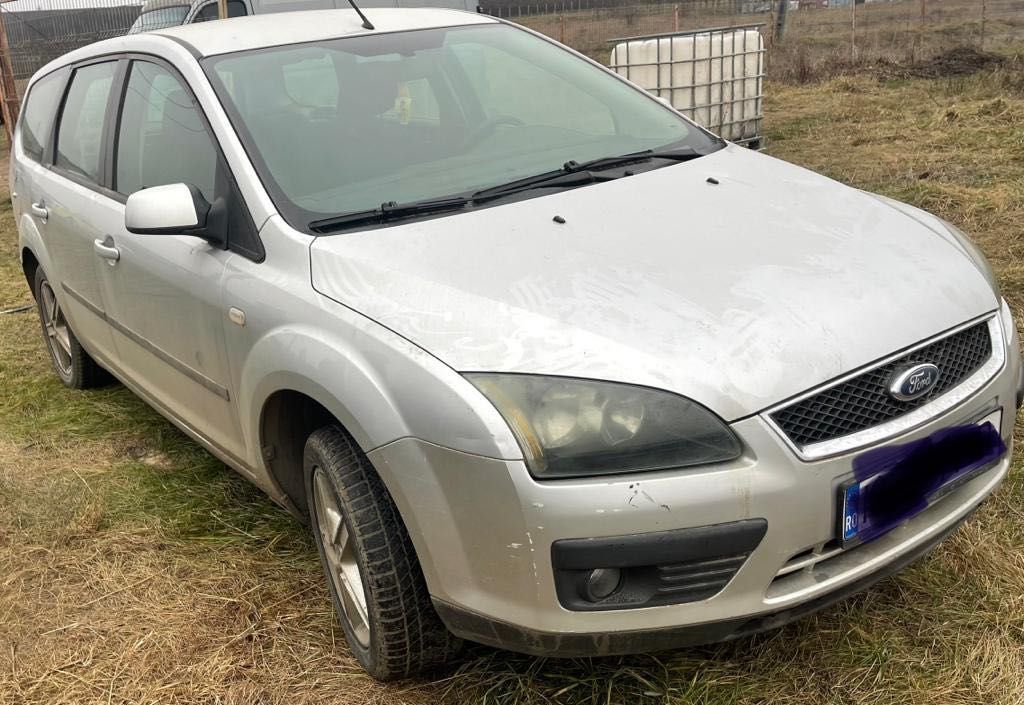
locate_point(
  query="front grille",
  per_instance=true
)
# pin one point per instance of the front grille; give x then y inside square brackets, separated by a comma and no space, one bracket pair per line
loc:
[864,401]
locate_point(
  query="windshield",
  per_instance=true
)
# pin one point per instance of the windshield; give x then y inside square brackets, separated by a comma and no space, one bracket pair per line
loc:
[158,19]
[348,124]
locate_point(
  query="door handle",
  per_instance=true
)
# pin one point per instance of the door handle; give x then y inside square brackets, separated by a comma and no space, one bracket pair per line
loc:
[106,249]
[39,211]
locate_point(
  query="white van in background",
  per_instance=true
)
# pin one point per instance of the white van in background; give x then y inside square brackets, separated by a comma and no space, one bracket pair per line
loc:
[158,14]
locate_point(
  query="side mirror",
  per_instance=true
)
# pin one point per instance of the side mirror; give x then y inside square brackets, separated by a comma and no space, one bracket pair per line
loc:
[177,209]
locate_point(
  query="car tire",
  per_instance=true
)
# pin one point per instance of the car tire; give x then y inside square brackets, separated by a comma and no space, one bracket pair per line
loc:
[70,361]
[377,586]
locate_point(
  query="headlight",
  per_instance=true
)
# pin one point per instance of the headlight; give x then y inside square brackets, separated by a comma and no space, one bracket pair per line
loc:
[1009,327]
[975,254]
[576,427]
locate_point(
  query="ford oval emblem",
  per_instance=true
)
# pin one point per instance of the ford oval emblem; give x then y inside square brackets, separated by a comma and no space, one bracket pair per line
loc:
[914,382]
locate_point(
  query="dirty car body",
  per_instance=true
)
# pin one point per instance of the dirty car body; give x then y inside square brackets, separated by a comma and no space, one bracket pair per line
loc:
[619,403]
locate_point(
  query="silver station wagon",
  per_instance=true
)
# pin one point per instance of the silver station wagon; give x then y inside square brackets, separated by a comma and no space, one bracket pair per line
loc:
[543,364]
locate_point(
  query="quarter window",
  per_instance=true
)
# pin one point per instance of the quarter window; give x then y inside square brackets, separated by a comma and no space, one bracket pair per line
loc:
[80,135]
[37,116]
[162,138]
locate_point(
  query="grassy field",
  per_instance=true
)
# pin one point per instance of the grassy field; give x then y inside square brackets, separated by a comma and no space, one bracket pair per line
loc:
[135,567]
[819,42]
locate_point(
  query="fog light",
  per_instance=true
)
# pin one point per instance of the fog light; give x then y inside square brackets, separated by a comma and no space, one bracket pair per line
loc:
[600,583]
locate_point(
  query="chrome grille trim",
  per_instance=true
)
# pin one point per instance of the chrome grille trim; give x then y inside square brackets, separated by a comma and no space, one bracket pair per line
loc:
[910,420]
[807,560]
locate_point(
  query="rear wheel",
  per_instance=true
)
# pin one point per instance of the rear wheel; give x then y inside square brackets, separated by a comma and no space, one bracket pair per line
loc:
[376,582]
[71,362]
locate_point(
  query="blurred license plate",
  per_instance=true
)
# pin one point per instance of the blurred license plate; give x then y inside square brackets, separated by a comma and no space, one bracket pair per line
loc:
[895,483]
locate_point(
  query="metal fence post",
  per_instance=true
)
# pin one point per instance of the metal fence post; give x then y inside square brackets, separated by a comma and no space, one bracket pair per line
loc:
[984,16]
[781,21]
[919,41]
[9,102]
[853,32]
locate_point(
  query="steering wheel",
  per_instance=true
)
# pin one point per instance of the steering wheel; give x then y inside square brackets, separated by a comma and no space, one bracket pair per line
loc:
[487,127]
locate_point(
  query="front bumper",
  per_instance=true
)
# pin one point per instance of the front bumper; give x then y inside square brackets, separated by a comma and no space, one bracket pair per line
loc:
[475,627]
[484,531]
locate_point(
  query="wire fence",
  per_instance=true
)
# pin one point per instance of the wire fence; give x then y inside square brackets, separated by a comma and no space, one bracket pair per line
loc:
[821,35]
[39,31]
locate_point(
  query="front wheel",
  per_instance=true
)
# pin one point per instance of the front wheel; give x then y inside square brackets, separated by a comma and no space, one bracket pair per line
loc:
[376,582]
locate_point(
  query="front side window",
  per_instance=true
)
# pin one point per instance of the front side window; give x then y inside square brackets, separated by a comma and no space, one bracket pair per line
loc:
[211,11]
[37,115]
[162,138]
[344,125]
[80,135]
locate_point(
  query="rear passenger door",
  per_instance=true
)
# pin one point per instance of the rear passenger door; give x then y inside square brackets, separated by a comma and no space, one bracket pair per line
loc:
[32,146]
[66,198]
[164,291]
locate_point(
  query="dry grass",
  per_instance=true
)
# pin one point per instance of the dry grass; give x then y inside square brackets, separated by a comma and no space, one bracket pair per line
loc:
[136,568]
[820,44]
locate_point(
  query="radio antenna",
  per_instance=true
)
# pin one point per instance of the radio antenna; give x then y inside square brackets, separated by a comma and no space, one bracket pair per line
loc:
[366,23]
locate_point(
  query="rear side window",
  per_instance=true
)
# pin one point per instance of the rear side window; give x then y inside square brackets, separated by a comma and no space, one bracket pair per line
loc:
[236,8]
[162,138]
[39,113]
[80,135]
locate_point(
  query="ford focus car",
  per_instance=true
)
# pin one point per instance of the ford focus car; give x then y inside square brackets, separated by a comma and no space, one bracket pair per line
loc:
[543,364]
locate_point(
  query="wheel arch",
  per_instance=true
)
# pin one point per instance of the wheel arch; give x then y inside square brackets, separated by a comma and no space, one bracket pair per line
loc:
[289,406]
[287,420]
[29,266]
[299,374]
[31,251]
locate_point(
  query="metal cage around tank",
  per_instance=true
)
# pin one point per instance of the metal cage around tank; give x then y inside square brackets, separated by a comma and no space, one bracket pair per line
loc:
[713,76]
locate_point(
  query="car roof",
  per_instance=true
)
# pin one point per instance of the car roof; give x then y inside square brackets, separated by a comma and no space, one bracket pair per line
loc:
[258,31]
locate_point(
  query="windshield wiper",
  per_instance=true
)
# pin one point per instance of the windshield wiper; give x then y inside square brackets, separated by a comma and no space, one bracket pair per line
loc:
[571,174]
[574,173]
[683,154]
[560,178]
[387,212]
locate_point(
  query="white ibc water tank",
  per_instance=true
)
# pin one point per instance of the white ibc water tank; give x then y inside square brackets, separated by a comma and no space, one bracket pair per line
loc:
[715,77]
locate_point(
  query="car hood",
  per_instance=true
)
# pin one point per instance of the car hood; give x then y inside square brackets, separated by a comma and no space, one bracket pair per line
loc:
[737,294]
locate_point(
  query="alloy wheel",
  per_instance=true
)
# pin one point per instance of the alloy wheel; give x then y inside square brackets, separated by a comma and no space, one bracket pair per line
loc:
[339,551]
[58,335]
